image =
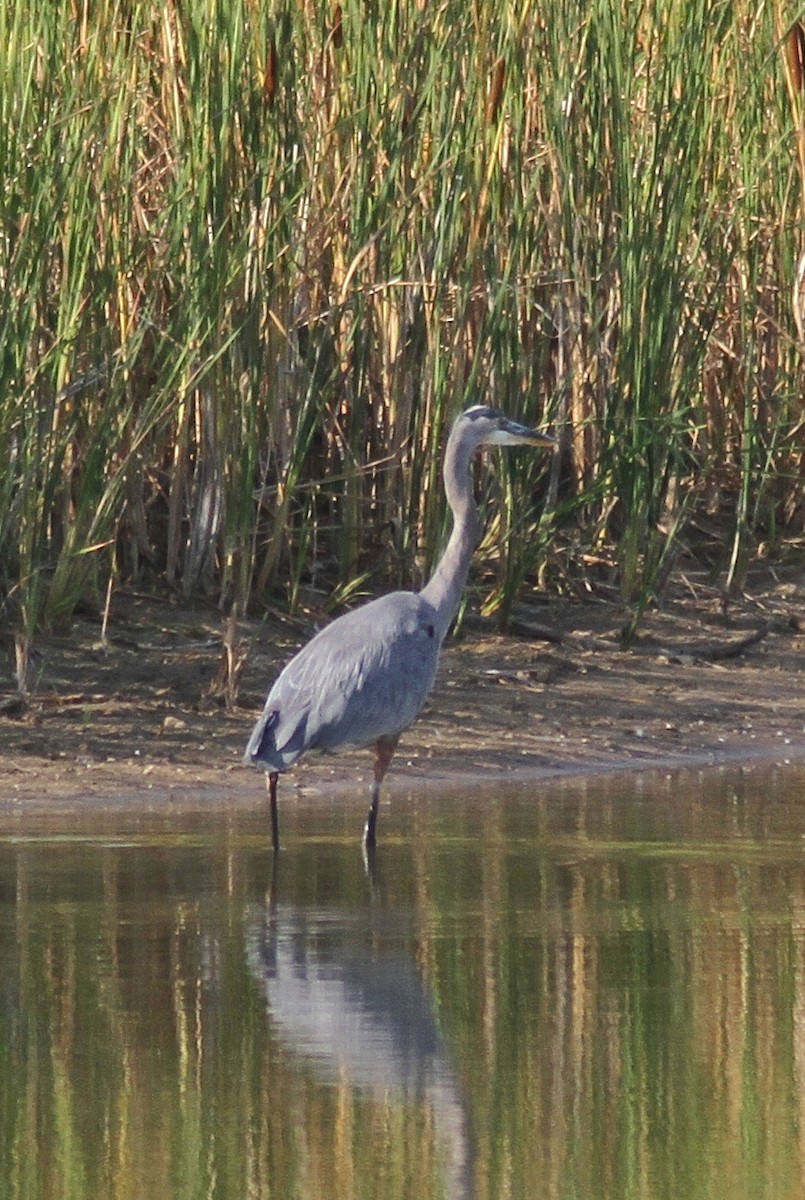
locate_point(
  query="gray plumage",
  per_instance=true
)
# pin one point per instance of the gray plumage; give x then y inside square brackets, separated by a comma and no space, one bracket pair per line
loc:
[364,678]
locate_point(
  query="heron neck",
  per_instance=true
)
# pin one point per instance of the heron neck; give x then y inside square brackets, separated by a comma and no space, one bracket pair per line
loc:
[443,590]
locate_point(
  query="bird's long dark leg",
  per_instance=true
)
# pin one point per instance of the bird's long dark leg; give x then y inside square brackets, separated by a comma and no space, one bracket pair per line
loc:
[271,783]
[384,752]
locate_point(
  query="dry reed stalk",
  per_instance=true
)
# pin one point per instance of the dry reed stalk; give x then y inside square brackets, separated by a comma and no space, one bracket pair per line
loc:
[792,43]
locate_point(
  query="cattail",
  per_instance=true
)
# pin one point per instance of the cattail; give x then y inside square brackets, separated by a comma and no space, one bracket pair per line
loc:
[270,80]
[337,31]
[795,56]
[496,86]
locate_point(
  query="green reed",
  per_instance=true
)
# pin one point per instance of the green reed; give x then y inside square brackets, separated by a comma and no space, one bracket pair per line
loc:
[256,256]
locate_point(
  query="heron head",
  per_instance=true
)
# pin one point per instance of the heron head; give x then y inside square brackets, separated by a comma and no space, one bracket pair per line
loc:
[493,428]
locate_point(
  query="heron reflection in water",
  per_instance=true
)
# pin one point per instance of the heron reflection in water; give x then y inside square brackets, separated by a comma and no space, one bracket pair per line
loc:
[357,1013]
[364,678]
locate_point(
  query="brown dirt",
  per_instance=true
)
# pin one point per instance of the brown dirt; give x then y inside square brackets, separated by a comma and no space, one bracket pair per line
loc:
[142,716]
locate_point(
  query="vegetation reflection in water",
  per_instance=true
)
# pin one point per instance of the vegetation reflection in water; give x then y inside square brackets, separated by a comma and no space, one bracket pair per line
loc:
[592,989]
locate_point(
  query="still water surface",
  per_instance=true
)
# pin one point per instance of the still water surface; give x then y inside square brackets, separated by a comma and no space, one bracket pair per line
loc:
[589,988]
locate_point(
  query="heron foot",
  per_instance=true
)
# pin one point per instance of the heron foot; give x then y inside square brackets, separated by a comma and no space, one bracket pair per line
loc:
[272,778]
[370,828]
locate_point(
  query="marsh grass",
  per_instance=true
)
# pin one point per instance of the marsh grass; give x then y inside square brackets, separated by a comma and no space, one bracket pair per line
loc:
[255,257]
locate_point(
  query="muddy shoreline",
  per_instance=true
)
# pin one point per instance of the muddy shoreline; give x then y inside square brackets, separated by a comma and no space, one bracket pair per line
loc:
[141,718]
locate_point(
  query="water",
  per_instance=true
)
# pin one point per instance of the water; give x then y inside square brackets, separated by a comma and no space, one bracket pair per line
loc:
[593,988]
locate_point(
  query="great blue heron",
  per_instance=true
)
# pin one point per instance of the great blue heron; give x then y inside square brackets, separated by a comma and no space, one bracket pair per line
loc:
[364,678]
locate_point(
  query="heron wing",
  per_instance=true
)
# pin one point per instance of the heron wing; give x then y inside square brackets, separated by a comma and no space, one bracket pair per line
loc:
[362,677]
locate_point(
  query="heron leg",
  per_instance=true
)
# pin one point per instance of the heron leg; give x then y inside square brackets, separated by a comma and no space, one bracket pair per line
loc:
[384,752]
[271,783]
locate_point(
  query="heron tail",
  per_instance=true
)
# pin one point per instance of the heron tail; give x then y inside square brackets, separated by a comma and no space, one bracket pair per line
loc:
[262,745]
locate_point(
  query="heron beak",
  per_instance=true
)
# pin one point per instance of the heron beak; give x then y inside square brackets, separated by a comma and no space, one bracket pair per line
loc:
[515,434]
